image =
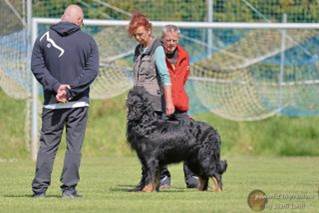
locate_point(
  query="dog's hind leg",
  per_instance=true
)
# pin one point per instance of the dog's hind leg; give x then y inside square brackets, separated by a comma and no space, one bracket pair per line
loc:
[203,183]
[216,185]
[210,167]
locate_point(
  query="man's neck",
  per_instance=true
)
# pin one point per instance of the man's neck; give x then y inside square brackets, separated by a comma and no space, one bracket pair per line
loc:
[172,56]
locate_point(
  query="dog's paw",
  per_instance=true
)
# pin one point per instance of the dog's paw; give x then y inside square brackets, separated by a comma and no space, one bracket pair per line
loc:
[149,188]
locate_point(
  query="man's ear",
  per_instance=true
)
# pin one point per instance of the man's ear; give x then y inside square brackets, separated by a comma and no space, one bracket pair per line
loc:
[79,21]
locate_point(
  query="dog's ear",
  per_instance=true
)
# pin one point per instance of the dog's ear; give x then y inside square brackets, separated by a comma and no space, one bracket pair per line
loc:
[222,166]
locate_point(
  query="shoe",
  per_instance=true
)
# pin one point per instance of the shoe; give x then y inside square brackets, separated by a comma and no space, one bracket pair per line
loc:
[192,182]
[165,182]
[38,195]
[70,194]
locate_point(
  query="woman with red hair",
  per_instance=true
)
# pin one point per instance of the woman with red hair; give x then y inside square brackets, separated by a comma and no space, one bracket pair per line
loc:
[150,69]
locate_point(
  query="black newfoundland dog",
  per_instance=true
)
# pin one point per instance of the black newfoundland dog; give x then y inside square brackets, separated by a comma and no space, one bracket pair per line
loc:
[159,142]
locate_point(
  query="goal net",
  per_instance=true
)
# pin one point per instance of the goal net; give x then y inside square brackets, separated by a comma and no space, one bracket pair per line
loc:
[239,71]
[15,79]
[248,72]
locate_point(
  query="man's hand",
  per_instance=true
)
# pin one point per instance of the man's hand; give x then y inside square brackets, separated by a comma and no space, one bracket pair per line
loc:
[61,95]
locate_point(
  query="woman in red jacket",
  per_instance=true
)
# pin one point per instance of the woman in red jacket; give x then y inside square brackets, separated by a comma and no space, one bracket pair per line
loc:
[177,61]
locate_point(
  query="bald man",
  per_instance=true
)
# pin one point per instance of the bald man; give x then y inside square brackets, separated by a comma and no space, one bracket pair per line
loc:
[65,61]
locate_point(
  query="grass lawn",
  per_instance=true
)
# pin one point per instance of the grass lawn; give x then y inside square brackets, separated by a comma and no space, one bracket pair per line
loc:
[290,183]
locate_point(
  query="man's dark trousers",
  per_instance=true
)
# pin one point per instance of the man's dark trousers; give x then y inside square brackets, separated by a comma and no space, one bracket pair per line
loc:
[53,122]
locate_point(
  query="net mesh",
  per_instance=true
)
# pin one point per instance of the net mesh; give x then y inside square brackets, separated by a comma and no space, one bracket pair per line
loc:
[115,69]
[14,75]
[15,78]
[241,75]
[244,79]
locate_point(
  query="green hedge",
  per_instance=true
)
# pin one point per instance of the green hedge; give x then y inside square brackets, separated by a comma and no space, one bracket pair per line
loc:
[105,136]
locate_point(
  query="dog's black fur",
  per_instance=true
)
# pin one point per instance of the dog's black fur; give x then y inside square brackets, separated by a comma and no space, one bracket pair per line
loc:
[160,142]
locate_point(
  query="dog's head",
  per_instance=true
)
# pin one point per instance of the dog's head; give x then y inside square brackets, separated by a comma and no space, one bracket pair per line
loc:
[217,177]
[137,104]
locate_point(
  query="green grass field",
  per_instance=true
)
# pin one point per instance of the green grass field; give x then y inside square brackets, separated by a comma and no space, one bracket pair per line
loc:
[292,182]
[109,168]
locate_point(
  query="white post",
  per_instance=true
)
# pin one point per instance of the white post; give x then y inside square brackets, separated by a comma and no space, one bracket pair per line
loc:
[34,133]
[282,60]
[32,34]
[210,31]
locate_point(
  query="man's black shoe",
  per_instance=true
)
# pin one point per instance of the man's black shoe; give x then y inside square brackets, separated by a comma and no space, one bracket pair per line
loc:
[70,194]
[165,182]
[38,195]
[192,182]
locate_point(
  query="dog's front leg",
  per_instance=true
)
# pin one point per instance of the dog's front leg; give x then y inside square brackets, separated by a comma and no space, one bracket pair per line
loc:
[157,179]
[150,179]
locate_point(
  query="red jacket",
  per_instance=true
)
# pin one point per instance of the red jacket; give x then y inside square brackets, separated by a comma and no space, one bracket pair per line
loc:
[179,75]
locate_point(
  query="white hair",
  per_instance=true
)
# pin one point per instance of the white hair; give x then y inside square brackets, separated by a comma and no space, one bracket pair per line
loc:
[170,28]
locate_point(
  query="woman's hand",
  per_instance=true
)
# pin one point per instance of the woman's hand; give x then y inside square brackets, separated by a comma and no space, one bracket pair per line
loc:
[170,108]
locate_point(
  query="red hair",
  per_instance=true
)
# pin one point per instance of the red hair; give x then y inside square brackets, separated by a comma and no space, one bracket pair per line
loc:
[137,20]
